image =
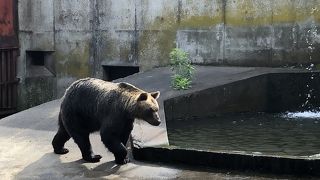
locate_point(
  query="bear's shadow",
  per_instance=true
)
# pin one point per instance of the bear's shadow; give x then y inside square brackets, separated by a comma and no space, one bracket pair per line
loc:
[49,166]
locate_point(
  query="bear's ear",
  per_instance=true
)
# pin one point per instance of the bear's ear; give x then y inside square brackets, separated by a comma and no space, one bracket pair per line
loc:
[155,94]
[142,97]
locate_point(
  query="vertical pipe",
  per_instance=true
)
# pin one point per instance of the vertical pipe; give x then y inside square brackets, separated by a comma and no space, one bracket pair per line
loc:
[10,79]
[1,82]
[2,79]
[179,11]
[7,78]
[224,20]
[14,86]
[1,66]
[95,61]
[272,31]
[135,37]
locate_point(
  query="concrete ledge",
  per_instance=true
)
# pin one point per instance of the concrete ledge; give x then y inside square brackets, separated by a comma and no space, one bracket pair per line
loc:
[230,161]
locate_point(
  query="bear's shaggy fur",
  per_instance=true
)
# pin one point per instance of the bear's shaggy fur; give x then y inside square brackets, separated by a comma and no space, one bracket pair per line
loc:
[91,105]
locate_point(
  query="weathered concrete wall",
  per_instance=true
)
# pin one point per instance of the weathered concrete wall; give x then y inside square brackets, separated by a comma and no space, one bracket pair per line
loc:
[73,38]
[271,33]
[257,33]
[36,33]
[86,35]
[245,32]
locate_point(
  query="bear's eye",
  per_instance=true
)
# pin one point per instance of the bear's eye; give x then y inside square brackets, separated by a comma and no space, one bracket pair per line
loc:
[151,110]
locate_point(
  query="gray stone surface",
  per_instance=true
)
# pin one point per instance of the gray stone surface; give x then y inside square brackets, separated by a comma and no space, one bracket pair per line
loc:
[25,139]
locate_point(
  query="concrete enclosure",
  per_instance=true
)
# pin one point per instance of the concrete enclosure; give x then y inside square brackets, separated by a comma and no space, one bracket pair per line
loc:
[273,93]
[77,38]
[230,90]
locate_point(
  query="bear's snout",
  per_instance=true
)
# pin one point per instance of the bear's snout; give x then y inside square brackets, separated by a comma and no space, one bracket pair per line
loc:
[155,120]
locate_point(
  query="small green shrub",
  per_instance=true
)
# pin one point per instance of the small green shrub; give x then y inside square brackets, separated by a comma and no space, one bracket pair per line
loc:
[182,68]
[180,83]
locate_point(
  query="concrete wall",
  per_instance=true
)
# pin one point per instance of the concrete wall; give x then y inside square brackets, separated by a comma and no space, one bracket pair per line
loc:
[273,93]
[36,33]
[81,36]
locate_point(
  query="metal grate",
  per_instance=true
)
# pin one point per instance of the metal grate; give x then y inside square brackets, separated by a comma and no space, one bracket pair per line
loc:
[8,81]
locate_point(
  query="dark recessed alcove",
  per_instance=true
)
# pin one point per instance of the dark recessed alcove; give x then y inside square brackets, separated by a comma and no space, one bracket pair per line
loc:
[40,63]
[36,58]
[111,73]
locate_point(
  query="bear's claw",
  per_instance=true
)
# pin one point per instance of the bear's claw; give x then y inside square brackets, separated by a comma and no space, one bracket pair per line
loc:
[61,151]
[123,161]
[93,158]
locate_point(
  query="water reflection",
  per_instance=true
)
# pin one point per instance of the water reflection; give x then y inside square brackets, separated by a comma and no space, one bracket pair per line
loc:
[272,134]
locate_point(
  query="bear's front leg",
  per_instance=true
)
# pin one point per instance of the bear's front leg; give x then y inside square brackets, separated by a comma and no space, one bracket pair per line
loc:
[114,144]
[126,131]
[83,141]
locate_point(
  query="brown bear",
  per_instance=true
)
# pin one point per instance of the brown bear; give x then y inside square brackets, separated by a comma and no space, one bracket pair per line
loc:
[91,105]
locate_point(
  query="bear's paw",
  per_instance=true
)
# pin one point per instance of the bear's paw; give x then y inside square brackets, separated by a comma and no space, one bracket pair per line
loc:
[61,151]
[122,161]
[92,158]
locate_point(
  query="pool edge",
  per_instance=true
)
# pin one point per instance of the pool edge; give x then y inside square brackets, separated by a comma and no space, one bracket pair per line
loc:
[230,161]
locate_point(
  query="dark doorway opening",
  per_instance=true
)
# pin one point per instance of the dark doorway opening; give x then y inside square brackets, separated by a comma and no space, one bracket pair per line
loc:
[111,73]
[36,58]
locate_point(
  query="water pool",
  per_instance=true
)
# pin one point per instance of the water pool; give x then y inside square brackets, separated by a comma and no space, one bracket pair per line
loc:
[293,134]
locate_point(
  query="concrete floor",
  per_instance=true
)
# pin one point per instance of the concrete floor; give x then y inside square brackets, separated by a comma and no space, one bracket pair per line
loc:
[26,152]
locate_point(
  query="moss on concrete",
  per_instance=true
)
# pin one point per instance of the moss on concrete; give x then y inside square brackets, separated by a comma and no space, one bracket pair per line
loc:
[108,48]
[159,36]
[75,63]
[253,13]
[36,90]
[246,13]
[201,21]
[156,43]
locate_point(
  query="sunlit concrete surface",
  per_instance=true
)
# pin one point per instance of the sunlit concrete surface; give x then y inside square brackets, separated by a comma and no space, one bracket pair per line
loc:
[26,152]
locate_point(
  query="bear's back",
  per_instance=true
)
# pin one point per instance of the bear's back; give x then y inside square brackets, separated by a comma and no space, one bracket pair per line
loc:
[99,86]
[93,84]
[85,95]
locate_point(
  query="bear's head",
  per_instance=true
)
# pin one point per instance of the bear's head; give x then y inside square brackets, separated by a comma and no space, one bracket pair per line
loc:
[147,107]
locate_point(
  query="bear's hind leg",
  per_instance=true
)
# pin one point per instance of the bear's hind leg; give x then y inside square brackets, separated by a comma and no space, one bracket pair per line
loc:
[59,140]
[83,141]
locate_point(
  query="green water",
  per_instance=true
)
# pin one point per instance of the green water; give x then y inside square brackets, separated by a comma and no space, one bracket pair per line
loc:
[260,133]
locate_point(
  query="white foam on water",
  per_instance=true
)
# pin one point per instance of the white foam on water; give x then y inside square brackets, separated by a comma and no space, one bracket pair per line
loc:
[315,156]
[305,114]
